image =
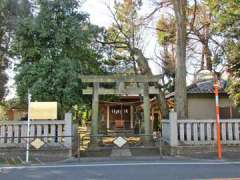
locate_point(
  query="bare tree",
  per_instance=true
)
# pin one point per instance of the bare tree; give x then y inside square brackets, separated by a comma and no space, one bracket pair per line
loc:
[126,37]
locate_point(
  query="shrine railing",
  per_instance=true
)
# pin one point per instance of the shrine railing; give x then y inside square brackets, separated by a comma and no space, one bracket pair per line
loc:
[14,133]
[197,132]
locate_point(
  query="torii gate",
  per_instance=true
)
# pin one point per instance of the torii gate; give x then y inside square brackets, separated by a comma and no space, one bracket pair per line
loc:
[121,89]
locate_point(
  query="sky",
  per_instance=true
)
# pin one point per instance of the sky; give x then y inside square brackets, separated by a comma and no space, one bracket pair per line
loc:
[98,11]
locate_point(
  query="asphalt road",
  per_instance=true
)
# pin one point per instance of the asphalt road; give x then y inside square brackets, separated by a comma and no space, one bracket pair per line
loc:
[130,170]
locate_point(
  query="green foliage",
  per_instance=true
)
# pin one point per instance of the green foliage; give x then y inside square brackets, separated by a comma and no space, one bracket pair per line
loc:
[227,15]
[166,30]
[9,11]
[227,19]
[233,54]
[166,33]
[3,82]
[55,47]
[3,113]
[4,29]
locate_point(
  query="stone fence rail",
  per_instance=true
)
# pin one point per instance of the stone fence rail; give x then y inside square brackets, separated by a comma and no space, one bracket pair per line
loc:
[199,132]
[52,132]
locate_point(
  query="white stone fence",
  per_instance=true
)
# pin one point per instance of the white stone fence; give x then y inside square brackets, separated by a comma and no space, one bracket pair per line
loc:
[199,132]
[52,132]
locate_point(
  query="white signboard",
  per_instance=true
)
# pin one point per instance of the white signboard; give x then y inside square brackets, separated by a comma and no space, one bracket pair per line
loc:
[43,110]
[120,141]
[37,143]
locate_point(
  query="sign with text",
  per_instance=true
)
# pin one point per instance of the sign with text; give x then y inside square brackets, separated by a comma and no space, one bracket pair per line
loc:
[43,110]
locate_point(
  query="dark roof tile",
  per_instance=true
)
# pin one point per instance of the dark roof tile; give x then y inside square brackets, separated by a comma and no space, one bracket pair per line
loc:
[206,87]
[203,87]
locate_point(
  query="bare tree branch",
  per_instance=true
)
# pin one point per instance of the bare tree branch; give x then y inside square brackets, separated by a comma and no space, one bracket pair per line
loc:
[194,15]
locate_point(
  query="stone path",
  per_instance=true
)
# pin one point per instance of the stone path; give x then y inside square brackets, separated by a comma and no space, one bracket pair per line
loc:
[121,152]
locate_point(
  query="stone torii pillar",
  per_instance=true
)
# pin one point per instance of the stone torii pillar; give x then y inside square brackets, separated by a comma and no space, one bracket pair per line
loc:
[95,107]
[146,106]
[108,117]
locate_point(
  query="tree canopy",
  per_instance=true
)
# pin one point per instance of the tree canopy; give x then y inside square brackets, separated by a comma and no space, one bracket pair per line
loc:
[10,10]
[55,47]
[226,22]
[53,42]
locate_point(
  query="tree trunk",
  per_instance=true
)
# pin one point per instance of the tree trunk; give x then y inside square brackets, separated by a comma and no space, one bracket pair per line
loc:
[145,69]
[180,79]
[208,55]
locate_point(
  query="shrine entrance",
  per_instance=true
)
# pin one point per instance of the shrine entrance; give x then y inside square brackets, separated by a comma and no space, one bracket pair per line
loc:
[119,117]
[120,114]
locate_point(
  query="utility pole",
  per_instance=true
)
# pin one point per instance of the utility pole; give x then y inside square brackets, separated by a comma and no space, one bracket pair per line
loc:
[28,128]
[216,86]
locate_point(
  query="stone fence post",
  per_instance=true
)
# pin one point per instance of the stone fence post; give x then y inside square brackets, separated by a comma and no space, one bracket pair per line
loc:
[68,130]
[173,129]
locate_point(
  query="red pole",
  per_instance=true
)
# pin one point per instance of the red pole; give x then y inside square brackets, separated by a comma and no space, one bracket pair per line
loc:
[218,119]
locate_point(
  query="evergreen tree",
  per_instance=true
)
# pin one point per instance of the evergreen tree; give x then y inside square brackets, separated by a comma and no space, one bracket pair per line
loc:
[227,19]
[55,46]
[10,10]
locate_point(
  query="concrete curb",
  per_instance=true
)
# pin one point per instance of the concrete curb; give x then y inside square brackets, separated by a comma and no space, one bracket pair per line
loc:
[140,158]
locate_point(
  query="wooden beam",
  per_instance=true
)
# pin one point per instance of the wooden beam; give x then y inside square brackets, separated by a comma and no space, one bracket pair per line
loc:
[121,78]
[128,91]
